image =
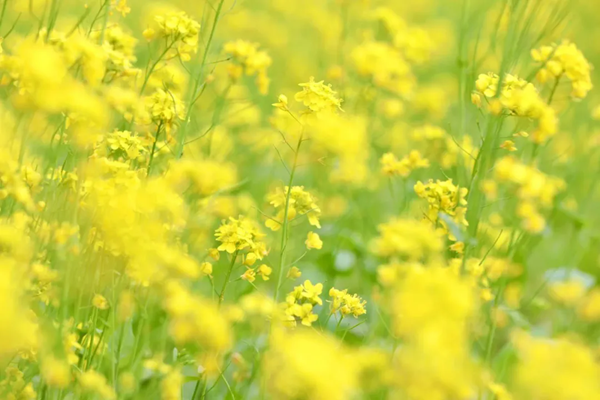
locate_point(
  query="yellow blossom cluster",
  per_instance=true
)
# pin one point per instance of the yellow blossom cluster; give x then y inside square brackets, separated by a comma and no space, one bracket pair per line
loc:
[296,202]
[432,308]
[250,61]
[243,234]
[186,212]
[346,303]
[407,239]
[520,98]
[181,30]
[565,59]
[444,198]
[391,166]
[318,97]
[534,189]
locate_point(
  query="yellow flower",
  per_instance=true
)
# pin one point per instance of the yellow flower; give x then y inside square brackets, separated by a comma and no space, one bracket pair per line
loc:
[521,134]
[121,6]
[391,166]
[458,247]
[249,59]
[589,308]
[346,304]
[214,254]
[55,372]
[508,145]
[313,241]
[301,202]
[294,273]
[282,102]
[206,268]
[241,234]
[568,292]
[311,292]
[318,97]
[100,302]
[165,107]
[264,271]
[95,382]
[249,275]
[564,59]
[307,364]
[149,34]
[170,385]
[407,238]
[554,369]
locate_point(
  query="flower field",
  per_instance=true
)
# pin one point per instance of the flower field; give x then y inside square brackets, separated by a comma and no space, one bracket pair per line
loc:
[299,200]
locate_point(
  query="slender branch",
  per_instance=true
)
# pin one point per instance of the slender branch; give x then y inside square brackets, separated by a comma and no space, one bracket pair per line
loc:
[284,229]
[222,295]
[154,148]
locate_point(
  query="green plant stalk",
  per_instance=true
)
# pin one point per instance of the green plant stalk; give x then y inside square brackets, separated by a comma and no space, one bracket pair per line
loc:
[153,148]
[155,63]
[284,224]
[192,99]
[222,294]
[3,11]
[105,21]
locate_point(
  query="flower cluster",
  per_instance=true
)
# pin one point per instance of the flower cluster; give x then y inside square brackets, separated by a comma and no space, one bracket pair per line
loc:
[519,98]
[382,64]
[391,166]
[318,97]
[250,60]
[407,239]
[141,165]
[121,145]
[564,59]
[241,234]
[181,30]
[346,304]
[300,203]
[444,197]
[534,190]
[427,302]
[299,303]
[165,107]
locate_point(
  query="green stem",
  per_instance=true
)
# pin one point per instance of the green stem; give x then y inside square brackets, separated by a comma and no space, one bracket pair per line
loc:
[222,295]
[492,330]
[154,148]
[3,11]
[153,66]
[105,21]
[338,324]
[284,228]
[92,335]
[553,92]
[193,93]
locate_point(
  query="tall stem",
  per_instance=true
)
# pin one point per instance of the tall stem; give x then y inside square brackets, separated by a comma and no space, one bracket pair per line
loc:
[222,295]
[556,82]
[194,92]
[284,227]
[154,148]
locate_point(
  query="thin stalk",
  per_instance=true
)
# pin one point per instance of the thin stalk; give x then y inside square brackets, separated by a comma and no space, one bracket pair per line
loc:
[222,295]
[193,94]
[284,224]
[492,330]
[91,338]
[154,64]
[154,148]
[553,92]
[105,21]
[338,324]
[3,12]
